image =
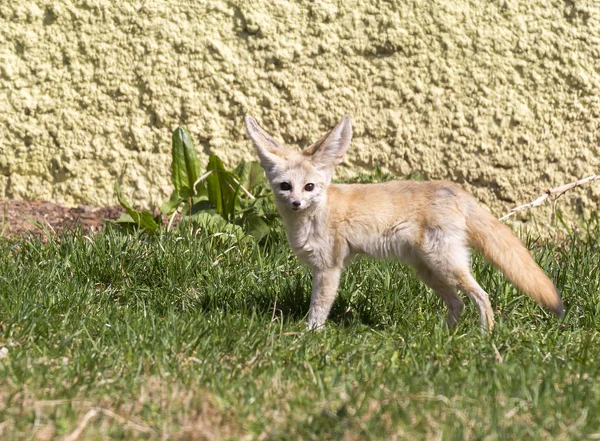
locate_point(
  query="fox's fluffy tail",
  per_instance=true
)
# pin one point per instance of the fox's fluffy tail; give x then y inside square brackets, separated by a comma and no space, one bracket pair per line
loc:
[502,248]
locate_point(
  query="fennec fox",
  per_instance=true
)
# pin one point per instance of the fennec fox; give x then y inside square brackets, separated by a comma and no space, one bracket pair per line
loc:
[429,225]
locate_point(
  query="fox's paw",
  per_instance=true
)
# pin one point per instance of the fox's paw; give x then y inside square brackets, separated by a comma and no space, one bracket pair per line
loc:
[315,325]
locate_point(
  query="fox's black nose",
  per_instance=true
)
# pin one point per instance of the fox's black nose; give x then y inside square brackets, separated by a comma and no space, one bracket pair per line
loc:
[296,204]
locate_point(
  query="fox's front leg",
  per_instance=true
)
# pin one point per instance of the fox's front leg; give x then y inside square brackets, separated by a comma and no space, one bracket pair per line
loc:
[325,285]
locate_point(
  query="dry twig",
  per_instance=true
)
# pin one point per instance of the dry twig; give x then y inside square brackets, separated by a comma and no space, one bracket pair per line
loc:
[81,426]
[558,190]
[73,436]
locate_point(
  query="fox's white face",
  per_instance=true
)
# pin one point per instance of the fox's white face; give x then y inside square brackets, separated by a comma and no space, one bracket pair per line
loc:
[300,179]
[299,185]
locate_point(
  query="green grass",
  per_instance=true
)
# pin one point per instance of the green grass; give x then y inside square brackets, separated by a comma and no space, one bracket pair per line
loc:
[194,335]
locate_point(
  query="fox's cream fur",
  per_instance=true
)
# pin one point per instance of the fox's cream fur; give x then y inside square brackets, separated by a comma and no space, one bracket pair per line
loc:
[429,225]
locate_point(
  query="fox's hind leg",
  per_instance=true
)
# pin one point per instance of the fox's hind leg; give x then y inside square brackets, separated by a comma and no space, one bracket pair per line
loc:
[468,284]
[460,277]
[446,253]
[445,290]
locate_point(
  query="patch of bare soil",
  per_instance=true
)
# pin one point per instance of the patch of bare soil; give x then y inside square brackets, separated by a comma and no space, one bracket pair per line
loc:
[22,217]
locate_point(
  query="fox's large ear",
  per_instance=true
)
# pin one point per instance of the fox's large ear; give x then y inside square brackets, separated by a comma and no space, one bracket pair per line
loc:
[329,151]
[269,151]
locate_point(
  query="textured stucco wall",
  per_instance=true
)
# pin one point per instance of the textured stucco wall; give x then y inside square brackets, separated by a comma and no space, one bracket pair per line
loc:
[502,96]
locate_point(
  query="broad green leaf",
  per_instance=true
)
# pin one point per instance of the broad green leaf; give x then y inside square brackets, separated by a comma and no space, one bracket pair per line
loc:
[185,167]
[242,171]
[230,191]
[213,184]
[250,174]
[221,188]
[256,226]
[169,207]
[256,176]
[143,219]
[213,223]
[125,218]
[210,221]
[200,190]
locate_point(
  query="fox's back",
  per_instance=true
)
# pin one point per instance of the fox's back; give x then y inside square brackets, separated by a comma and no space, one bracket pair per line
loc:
[393,219]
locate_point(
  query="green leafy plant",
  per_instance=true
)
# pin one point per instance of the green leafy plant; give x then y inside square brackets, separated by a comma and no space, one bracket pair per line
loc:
[143,219]
[226,199]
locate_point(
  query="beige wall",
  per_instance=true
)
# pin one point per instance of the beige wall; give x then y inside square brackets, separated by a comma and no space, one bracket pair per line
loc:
[502,96]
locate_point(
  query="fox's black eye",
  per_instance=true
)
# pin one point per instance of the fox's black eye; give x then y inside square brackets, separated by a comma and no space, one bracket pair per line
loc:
[285,186]
[309,187]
